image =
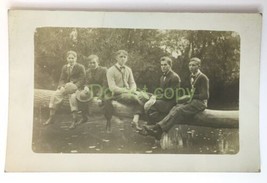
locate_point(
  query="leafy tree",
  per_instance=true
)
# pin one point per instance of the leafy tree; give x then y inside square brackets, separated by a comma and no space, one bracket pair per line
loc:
[218,50]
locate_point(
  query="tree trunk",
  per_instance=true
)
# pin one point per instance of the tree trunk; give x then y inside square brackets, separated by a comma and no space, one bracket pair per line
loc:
[42,98]
[209,118]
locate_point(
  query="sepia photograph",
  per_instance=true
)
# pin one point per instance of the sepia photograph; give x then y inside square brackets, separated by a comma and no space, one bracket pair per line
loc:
[111,91]
[99,90]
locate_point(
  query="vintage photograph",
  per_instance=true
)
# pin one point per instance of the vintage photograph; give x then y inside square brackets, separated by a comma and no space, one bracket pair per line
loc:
[133,91]
[117,90]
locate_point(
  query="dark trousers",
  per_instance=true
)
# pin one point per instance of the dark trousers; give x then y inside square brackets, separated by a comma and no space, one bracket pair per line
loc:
[159,110]
[181,112]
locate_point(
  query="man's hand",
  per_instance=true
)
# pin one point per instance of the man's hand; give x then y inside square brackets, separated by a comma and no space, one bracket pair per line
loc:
[60,87]
[149,103]
[86,88]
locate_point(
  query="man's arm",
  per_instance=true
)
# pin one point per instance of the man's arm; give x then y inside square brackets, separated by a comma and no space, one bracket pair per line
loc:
[87,76]
[104,82]
[81,76]
[171,91]
[203,89]
[131,81]
[63,77]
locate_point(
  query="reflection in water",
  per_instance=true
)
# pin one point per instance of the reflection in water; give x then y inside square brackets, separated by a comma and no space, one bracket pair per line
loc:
[194,139]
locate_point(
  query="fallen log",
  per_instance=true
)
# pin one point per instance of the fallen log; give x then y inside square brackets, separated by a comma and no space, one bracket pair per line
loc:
[209,118]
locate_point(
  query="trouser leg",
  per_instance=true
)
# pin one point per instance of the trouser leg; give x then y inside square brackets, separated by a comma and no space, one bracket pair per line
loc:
[130,99]
[74,119]
[56,99]
[73,102]
[180,113]
[153,116]
[170,120]
[51,118]
[159,111]
[166,118]
[83,106]
[74,109]
[108,112]
[75,106]
[74,116]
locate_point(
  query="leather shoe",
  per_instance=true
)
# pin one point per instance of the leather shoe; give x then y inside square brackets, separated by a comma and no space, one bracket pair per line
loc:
[154,130]
[49,121]
[136,125]
[83,120]
[143,132]
[72,125]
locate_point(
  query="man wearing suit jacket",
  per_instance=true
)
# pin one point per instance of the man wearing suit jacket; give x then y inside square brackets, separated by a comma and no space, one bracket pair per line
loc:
[95,85]
[192,104]
[71,78]
[169,82]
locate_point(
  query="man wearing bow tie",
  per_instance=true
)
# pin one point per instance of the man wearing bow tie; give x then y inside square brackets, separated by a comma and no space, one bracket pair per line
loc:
[122,84]
[192,104]
[165,99]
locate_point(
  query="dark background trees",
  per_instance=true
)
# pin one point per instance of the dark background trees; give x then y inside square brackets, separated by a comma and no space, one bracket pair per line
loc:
[218,50]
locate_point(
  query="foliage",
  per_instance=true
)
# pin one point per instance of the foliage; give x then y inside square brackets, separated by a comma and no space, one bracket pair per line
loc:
[218,50]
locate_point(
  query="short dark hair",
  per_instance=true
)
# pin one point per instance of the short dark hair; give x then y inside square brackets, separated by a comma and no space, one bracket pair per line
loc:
[168,59]
[91,57]
[195,59]
[121,52]
[71,52]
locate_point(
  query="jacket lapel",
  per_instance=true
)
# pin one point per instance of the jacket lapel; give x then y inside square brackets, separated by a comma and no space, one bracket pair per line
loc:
[167,78]
[73,70]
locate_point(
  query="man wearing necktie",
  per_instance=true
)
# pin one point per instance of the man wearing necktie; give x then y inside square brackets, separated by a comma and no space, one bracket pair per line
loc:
[71,78]
[165,99]
[192,104]
[122,84]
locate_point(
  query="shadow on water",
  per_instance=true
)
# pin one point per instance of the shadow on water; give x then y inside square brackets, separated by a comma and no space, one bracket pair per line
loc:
[91,137]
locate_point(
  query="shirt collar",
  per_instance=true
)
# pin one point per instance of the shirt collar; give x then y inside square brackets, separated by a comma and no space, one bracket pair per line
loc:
[119,66]
[68,65]
[194,75]
[166,73]
[94,69]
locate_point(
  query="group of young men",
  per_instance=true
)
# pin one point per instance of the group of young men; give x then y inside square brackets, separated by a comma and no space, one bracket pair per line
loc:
[163,108]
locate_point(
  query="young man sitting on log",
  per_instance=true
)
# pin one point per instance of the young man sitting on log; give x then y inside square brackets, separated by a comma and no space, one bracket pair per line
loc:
[71,79]
[95,84]
[123,87]
[159,105]
[191,105]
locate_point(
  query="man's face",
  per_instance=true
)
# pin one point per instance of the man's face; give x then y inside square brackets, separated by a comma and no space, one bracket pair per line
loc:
[165,67]
[71,59]
[121,59]
[193,66]
[93,63]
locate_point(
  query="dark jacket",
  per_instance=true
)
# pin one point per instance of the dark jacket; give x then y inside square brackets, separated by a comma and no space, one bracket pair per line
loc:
[166,97]
[171,82]
[97,77]
[77,75]
[201,86]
